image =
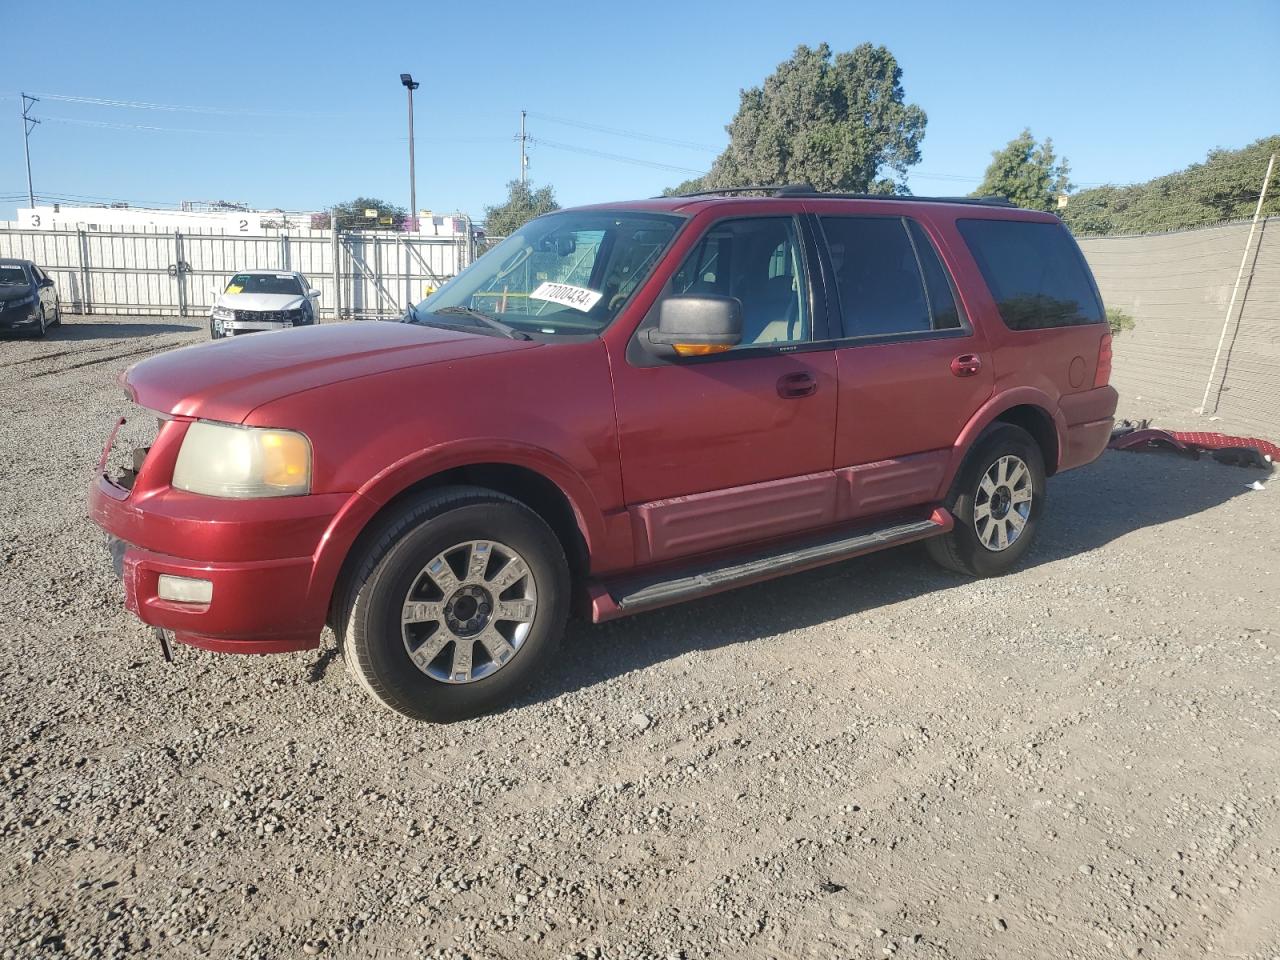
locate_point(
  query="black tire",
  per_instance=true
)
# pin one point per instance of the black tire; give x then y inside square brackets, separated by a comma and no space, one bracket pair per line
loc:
[57,314]
[962,550]
[393,559]
[44,325]
[213,331]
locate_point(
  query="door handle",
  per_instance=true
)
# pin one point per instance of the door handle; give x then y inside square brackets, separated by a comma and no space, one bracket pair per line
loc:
[966,365]
[792,386]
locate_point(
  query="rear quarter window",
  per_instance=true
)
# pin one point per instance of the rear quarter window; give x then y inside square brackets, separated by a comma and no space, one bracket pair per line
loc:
[1035,273]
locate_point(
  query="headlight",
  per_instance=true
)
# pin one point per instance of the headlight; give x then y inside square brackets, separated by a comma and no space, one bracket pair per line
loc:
[223,313]
[241,463]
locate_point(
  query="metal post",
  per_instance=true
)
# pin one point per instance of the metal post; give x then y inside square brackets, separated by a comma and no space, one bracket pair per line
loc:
[1226,321]
[178,277]
[28,124]
[86,306]
[335,246]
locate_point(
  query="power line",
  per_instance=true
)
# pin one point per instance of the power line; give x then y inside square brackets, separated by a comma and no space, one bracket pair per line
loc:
[111,125]
[149,128]
[182,108]
[556,145]
[614,131]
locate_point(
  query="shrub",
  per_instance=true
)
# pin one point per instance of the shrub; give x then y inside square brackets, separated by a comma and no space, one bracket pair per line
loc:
[1119,321]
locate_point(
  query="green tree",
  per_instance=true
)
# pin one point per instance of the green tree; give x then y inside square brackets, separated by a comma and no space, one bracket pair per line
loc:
[1029,174]
[1224,187]
[523,203]
[837,122]
[351,215]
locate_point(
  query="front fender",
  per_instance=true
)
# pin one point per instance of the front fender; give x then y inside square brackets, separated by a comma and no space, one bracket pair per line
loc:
[364,504]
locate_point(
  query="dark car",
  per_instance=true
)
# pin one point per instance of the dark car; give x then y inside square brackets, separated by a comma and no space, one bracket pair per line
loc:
[28,298]
[616,408]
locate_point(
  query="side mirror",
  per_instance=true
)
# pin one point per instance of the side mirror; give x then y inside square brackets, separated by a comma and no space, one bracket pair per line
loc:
[313,293]
[46,282]
[696,326]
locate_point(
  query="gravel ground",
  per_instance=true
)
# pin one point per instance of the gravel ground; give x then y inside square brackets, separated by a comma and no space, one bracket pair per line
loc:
[874,759]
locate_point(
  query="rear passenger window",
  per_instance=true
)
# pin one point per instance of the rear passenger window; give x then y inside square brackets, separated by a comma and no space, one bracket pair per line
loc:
[937,285]
[1034,271]
[889,277]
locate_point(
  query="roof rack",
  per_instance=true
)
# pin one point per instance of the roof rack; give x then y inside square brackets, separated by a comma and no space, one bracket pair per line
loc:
[808,190]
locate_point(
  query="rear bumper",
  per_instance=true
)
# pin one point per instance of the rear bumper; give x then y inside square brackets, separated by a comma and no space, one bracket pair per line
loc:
[259,556]
[1090,415]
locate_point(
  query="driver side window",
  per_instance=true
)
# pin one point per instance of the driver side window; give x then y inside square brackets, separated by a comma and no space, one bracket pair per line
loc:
[758,261]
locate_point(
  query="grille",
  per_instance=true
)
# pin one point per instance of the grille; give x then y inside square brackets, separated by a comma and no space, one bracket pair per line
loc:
[130,445]
[269,316]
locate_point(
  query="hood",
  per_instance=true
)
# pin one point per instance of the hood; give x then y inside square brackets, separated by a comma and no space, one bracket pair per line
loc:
[15,292]
[260,301]
[227,379]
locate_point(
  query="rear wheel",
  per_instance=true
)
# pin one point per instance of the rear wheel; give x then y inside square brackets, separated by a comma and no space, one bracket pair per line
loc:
[997,502]
[456,604]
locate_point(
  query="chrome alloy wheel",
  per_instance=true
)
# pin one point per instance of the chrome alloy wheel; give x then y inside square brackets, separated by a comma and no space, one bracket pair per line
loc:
[468,611]
[1002,503]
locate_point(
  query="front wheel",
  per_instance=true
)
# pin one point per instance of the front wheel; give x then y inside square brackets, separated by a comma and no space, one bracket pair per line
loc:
[997,502]
[455,605]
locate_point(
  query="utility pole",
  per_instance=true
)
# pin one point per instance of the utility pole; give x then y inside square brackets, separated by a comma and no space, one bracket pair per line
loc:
[524,157]
[28,124]
[411,86]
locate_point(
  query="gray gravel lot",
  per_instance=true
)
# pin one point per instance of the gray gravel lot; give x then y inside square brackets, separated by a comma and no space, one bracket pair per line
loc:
[874,759]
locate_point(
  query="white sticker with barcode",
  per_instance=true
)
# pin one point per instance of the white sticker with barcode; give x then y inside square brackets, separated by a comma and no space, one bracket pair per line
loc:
[566,294]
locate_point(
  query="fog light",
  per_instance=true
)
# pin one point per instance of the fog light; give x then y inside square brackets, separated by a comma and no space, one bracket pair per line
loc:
[184,589]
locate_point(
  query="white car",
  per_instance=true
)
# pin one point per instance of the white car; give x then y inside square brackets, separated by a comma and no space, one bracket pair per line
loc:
[257,300]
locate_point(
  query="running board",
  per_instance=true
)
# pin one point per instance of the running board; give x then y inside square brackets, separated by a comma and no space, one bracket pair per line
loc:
[633,595]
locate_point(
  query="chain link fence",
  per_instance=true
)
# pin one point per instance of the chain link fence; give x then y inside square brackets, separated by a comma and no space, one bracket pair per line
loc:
[360,274]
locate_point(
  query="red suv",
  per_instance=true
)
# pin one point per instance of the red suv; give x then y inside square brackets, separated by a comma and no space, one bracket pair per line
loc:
[618,407]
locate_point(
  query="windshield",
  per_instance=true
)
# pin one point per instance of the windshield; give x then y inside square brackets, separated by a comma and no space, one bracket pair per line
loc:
[265,283]
[12,274]
[565,273]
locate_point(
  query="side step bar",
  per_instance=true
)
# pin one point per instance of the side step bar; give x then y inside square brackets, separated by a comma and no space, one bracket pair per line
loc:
[633,595]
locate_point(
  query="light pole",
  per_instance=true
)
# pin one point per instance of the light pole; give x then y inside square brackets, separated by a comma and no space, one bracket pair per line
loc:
[411,86]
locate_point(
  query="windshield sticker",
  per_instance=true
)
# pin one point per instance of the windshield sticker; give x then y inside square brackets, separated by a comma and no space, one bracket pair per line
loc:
[234,288]
[566,294]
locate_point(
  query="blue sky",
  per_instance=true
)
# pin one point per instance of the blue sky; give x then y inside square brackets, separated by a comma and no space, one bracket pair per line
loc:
[301,104]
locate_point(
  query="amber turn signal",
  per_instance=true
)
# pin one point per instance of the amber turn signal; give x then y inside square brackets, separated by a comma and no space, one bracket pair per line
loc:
[700,349]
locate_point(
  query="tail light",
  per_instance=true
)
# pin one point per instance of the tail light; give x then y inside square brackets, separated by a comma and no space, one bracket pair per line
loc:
[1102,375]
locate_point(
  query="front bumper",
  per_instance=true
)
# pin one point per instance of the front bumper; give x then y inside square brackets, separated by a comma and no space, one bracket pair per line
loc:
[232,327]
[259,556]
[22,318]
